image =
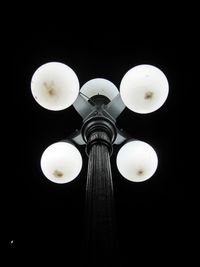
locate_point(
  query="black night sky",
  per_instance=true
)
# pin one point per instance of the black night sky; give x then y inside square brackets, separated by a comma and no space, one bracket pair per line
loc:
[43,219]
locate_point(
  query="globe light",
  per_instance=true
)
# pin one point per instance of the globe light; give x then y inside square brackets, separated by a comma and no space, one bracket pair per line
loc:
[100,86]
[55,86]
[61,162]
[144,89]
[137,161]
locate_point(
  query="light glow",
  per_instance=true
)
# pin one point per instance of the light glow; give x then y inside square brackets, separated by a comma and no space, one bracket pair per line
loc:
[137,161]
[61,162]
[144,89]
[99,86]
[55,86]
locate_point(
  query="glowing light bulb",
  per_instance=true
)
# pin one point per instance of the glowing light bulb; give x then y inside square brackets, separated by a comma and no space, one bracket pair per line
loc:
[144,89]
[55,86]
[137,161]
[61,162]
[99,86]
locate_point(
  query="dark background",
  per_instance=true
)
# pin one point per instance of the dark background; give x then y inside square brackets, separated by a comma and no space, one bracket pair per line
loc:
[44,220]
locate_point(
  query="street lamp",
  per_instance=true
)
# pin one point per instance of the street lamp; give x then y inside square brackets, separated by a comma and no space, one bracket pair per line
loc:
[143,89]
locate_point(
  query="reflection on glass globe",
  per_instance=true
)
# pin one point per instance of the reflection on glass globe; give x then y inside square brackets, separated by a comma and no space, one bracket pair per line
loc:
[55,86]
[137,161]
[61,162]
[144,89]
[99,86]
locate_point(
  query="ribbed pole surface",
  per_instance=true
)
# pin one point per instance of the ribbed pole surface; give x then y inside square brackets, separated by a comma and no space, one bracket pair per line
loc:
[99,233]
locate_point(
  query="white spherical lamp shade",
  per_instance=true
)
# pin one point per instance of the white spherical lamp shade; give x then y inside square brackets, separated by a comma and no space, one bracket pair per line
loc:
[100,86]
[144,89]
[61,162]
[137,161]
[55,86]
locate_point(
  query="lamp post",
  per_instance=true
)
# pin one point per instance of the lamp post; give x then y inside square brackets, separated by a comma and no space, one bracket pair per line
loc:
[143,89]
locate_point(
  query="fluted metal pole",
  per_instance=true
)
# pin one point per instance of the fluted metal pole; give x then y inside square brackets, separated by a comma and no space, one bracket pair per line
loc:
[100,241]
